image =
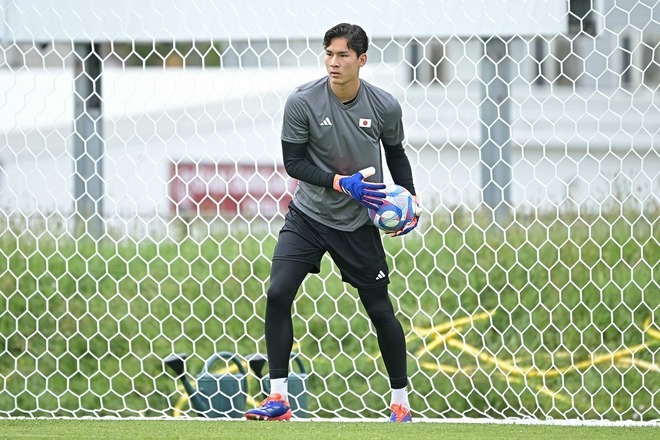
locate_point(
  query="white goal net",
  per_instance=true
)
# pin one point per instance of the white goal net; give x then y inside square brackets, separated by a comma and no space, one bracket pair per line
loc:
[142,190]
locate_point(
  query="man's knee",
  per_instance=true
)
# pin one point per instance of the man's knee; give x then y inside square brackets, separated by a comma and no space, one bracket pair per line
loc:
[279,293]
[285,279]
[377,303]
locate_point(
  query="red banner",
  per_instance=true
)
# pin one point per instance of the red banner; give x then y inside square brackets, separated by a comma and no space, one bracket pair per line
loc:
[229,189]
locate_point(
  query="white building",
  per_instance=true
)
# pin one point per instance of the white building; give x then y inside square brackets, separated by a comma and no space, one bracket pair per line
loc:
[584,115]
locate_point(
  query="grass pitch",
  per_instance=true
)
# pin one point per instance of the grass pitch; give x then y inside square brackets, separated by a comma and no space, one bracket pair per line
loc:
[198,429]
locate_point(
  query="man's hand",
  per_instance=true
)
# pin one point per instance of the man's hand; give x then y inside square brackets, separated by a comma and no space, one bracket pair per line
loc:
[413,224]
[366,193]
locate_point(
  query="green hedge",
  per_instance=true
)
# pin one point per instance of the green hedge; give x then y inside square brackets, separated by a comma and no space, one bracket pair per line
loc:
[84,326]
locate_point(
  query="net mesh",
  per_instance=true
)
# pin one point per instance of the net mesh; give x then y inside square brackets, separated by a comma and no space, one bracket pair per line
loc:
[142,190]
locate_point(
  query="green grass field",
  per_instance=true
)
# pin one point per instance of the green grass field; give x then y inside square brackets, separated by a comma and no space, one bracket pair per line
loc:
[554,317]
[170,429]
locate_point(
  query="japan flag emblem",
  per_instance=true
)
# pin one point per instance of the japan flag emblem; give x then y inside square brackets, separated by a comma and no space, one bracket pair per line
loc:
[364,123]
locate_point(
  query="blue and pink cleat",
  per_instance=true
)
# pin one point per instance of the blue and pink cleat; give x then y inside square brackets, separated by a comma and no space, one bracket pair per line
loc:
[400,414]
[273,408]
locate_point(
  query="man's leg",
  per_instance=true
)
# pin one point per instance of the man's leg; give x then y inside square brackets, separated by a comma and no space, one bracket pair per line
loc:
[361,259]
[391,339]
[297,253]
[392,344]
[285,279]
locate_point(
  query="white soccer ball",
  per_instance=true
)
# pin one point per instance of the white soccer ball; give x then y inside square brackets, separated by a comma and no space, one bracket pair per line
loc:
[397,210]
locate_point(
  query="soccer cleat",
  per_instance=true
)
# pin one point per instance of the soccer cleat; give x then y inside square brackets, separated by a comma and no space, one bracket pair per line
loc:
[400,413]
[272,408]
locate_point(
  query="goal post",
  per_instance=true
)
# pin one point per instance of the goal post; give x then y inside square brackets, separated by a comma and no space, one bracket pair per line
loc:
[158,124]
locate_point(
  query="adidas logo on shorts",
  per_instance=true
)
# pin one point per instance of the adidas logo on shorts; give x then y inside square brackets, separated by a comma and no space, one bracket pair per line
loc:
[380,275]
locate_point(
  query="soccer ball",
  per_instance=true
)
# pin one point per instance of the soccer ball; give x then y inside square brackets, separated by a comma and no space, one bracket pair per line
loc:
[397,210]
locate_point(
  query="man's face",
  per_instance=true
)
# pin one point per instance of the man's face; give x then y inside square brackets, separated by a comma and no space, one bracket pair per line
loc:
[343,64]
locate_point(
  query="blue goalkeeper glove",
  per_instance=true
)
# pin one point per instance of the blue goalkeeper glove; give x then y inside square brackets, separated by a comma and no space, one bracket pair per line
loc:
[413,224]
[366,193]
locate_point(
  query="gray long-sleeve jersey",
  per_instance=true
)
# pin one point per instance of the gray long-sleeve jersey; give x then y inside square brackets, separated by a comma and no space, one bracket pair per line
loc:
[341,139]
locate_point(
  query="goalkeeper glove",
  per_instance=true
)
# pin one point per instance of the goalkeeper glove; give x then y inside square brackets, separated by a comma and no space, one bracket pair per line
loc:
[413,224]
[366,193]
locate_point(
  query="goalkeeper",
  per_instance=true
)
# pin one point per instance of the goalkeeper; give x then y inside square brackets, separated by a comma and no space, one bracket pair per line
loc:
[332,133]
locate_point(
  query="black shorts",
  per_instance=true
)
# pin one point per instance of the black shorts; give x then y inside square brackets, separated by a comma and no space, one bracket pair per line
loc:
[359,254]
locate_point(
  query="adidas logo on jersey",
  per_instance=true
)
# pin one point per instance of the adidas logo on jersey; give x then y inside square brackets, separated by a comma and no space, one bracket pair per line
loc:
[326,121]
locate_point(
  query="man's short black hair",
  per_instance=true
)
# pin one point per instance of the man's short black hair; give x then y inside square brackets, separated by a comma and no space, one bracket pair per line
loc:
[356,36]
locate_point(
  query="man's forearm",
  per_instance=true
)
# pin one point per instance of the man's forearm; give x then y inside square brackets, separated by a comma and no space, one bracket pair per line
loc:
[299,167]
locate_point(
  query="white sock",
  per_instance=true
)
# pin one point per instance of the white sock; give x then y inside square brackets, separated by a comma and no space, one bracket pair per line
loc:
[400,397]
[280,386]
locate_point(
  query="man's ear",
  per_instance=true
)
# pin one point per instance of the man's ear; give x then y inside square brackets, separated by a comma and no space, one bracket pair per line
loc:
[362,60]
